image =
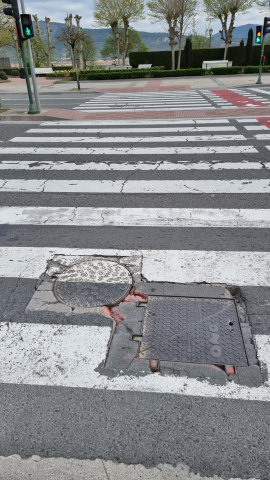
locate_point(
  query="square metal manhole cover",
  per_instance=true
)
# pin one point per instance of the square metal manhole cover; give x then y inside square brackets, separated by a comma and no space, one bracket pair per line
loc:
[192,330]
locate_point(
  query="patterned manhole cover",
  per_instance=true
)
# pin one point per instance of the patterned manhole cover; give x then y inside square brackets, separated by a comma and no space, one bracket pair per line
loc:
[192,330]
[93,283]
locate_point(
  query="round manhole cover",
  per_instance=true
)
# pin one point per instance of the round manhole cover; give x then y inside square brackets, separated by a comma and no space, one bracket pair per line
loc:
[93,283]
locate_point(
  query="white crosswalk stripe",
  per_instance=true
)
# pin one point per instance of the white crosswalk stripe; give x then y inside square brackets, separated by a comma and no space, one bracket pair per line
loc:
[132,217]
[110,195]
[158,101]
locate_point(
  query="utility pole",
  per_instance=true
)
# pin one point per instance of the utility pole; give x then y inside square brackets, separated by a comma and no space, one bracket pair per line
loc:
[266,29]
[13,11]
[32,67]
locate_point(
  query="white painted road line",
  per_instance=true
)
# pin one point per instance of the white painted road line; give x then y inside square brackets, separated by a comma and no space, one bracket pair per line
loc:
[256,127]
[136,217]
[127,151]
[180,138]
[263,136]
[134,122]
[137,186]
[68,356]
[209,128]
[124,166]
[247,120]
[178,266]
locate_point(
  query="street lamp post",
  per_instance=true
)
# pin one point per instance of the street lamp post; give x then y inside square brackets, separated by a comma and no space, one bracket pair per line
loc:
[210,35]
[68,21]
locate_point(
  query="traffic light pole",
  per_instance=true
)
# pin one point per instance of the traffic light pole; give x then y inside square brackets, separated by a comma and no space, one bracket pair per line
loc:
[32,107]
[32,68]
[259,81]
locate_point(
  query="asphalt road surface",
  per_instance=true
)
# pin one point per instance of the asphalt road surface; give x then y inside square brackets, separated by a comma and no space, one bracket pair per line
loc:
[188,200]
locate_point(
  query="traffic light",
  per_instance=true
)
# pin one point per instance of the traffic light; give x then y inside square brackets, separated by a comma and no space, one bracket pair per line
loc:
[22,73]
[13,10]
[27,26]
[259,34]
[264,60]
[266,25]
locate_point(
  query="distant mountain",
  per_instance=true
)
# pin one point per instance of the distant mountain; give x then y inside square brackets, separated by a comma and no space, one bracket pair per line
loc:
[154,41]
[239,33]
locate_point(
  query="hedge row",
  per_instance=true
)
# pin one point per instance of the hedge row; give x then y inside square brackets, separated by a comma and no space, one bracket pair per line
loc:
[8,71]
[64,67]
[165,57]
[147,73]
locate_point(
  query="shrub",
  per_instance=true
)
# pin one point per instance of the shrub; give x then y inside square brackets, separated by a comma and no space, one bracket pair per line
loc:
[188,52]
[225,70]
[253,69]
[3,75]
[249,49]
[64,67]
[15,73]
[147,73]
[241,53]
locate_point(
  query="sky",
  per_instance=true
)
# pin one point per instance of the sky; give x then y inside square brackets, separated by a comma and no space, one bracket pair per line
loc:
[57,10]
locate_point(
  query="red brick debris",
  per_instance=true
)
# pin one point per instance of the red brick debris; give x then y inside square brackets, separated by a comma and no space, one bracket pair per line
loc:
[237,99]
[75,115]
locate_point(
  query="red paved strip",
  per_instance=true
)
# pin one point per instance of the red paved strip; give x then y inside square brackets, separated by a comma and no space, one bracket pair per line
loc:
[264,121]
[152,86]
[72,114]
[237,99]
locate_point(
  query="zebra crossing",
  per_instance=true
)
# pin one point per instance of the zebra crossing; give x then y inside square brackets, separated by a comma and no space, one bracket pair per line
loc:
[154,101]
[254,93]
[126,200]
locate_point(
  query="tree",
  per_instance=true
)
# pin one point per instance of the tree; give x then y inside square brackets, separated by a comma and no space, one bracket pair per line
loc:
[241,53]
[72,37]
[249,44]
[38,50]
[188,52]
[188,11]
[136,44]
[45,49]
[168,10]
[199,42]
[6,28]
[117,13]
[225,11]
[89,50]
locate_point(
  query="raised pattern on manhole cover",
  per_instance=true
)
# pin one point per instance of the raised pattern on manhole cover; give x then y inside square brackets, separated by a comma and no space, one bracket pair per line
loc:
[93,283]
[192,330]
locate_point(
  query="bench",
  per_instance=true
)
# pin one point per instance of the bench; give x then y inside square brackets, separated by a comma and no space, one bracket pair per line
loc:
[43,70]
[118,67]
[149,65]
[207,64]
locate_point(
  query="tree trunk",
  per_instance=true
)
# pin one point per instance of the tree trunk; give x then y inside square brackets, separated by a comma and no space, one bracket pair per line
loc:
[80,48]
[173,55]
[47,52]
[180,51]
[50,46]
[225,51]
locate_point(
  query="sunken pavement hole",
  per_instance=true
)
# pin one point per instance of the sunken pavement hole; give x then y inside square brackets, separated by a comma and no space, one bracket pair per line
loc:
[197,325]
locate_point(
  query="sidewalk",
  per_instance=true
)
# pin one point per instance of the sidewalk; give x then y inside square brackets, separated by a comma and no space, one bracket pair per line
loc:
[17,85]
[59,114]
[37,468]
